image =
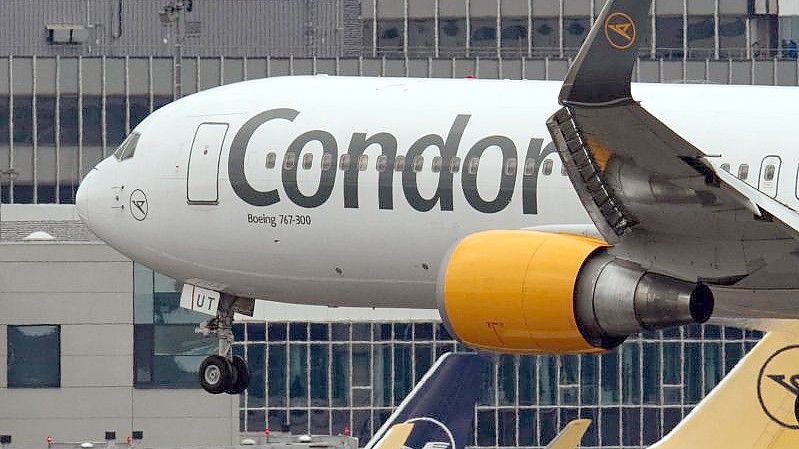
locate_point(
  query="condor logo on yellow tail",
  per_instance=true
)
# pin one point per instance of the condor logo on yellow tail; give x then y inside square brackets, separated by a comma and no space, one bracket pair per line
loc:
[778,387]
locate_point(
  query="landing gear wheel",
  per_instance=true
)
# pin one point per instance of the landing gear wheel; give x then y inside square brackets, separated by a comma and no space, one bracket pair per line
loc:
[242,376]
[224,372]
[216,374]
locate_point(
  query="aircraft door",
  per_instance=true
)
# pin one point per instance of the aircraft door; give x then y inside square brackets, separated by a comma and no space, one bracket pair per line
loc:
[202,181]
[769,175]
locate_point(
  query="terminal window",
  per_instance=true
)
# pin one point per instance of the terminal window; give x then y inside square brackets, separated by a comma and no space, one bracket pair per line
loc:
[167,351]
[34,356]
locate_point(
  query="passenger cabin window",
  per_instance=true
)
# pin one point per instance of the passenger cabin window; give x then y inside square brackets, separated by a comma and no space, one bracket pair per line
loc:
[363,162]
[418,163]
[437,164]
[510,167]
[455,165]
[327,161]
[382,163]
[344,162]
[769,173]
[529,167]
[399,163]
[128,147]
[743,172]
[289,161]
[307,161]
[271,158]
[474,165]
[725,167]
[547,167]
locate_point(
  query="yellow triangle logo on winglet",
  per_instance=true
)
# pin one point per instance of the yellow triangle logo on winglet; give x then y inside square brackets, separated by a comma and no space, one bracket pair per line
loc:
[620,30]
[623,29]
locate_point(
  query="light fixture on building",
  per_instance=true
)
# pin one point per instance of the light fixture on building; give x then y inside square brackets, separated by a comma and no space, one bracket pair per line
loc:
[38,236]
[11,175]
[64,33]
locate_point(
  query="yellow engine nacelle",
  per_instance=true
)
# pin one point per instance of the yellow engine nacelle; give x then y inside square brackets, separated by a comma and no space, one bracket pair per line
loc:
[533,292]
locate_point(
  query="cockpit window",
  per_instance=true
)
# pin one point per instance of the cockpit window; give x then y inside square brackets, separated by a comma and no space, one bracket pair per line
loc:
[128,147]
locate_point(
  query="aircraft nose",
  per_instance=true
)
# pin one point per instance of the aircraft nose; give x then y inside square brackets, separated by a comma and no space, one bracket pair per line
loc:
[82,197]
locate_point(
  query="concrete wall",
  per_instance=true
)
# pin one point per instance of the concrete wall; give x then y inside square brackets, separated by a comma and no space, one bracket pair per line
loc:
[87,288]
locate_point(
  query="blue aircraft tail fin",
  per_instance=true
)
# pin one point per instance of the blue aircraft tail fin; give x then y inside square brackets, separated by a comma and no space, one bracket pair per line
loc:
[438,413]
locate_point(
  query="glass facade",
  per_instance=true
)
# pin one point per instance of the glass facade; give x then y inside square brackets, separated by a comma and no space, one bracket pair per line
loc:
[59,116]
[690,29]
[167,352]
[321,378]
[34,356]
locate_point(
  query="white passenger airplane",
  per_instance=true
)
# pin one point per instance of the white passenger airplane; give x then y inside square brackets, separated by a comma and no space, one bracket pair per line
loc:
[532,228]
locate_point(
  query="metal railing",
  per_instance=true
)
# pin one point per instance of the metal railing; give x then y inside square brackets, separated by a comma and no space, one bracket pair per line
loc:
[515,50]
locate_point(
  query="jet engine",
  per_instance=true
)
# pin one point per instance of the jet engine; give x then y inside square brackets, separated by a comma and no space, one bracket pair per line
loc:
[530,292]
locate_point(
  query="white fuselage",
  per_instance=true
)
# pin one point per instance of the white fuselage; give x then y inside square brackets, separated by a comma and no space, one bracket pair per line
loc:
[309,232]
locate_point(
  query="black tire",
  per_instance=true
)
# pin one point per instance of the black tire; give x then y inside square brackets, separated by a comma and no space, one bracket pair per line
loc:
[216,374]
[242,376]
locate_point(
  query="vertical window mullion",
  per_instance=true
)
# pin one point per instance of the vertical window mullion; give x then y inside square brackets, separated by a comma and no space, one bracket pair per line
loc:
[127,95]
[150,82]
[560,29]
[499,33]
[497,427]
[684,34]
[103,105]
[716,36]
[57,129]
[436,24]
[529,32]
[35,130]
[654,29]
[374,28]
[619,369]
[10,126]
[80,117]
[468,29]
[537,402]
[405,30]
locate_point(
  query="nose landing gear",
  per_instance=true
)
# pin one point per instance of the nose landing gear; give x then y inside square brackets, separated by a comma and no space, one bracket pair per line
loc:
[223,372]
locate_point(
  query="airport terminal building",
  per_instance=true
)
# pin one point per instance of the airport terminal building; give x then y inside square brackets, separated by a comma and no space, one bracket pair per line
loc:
[92,342]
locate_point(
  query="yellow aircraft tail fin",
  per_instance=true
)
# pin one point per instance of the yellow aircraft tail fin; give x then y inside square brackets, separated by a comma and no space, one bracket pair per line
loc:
[756,406]
[571,435]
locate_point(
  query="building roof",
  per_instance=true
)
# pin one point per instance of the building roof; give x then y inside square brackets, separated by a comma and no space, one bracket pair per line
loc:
[60,230]
[19,221]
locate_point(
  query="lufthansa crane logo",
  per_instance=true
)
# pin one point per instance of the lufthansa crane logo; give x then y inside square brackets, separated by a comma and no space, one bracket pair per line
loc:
[138,205]
[778,387]
[620,31]
[429,433]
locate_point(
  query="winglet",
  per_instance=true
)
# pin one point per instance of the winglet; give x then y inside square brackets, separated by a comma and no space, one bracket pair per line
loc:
[571,436]
[602,72]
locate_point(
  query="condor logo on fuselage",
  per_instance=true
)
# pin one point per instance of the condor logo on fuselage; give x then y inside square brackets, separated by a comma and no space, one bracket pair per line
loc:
[442,198]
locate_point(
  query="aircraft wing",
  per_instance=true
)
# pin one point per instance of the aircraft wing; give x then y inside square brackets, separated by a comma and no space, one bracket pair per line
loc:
[651,193]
